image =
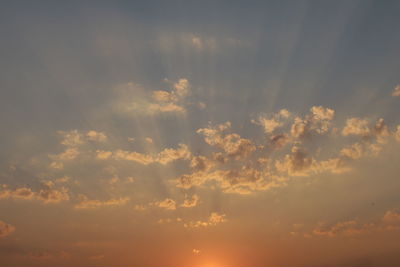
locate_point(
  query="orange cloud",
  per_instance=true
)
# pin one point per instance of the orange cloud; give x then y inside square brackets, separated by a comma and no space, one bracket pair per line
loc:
[6,229]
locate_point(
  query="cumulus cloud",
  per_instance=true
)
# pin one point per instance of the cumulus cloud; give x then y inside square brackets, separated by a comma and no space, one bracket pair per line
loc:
[86,203]
[196,251]
[190,201]
[240,181]
[351,228]
[297,163]
[96,136]
[347,228]
[6,229]
[232,144]
[355,151]
[164,157]
[356,126]
[272,122]
[381,131]
[47,255]
[397,134]
[318,121]
[68,154]
[160,101]
[279,140]
[300,163]
[101,154]
[47,194]
[74,138]
[168,204]
[396,91]
[201,163]
[214,219]
[392,217]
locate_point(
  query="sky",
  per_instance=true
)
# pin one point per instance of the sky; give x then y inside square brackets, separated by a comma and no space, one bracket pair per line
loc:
[200,133]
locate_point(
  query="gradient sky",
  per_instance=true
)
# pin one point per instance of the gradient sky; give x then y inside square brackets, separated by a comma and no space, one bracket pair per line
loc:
[200,133]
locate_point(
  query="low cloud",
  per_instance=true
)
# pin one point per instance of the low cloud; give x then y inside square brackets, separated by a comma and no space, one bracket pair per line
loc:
[164,157]
[390,221]
[232,144]
[272,122]
[356,126]
[158,102]
[47,194]
[214,219]
[86,203]
[168,204]
[190,202]
[396,91]
[6,229]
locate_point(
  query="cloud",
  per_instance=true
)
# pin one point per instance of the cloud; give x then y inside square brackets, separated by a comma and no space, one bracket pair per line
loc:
[347,228]
[397,134]
[47,255]
[130,156]
[160,101]
[356,126]
[318,121]
[71,138]
[96,136]
[300,163]
[201,163]
[392,217]
[279,140]
[86,203]
[355,151]
[396,91]
[214,219]
[168,204]
[389,222]
[380,131]
[74,138]
[190,202]
[244,180]
[47,194]
[297,163]
[101,154]
[68,154]
[169,154]
[164,157]
[6,229]
[271,123]
[96,257]
[232,144]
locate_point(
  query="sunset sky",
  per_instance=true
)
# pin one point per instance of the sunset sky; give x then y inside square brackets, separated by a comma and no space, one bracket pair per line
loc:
[200,133]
